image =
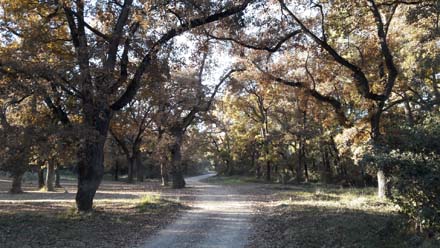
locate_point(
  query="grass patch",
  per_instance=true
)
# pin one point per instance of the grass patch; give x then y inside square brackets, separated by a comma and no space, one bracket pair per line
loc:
[232,180]
[329,216]
[156,202]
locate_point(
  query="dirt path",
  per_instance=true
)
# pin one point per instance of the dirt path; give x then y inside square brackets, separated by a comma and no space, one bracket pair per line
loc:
[220,217]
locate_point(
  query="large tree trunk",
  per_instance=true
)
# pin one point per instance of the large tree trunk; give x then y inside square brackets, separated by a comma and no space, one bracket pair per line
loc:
[178,181]
[91,159]
[140,170]
[50,175]
[90,172]
[40,178]
[16,183]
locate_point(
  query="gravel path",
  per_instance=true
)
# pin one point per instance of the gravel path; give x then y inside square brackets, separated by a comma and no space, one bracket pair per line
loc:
[220,217]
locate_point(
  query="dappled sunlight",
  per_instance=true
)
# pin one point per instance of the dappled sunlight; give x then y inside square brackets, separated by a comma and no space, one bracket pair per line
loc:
[355,199]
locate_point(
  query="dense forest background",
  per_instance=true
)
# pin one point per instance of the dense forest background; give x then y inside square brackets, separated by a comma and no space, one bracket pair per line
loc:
[332,92]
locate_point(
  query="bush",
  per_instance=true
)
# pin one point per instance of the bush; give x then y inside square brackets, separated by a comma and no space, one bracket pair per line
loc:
[411,156]
[417,183]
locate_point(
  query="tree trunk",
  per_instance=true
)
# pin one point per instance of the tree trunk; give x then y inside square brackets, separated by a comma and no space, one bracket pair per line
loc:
[381,184]
[50,175]
[383,189]
[40,177]
[16,183]
[306,170]
[57,178]
[91,158]
[299,167]
[140,170]
[131,162]
[268,170]
[90,172]
[409,114]
[164,174]
[176,159]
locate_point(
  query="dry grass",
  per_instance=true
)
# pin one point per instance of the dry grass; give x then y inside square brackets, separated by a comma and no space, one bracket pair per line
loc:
[327,216]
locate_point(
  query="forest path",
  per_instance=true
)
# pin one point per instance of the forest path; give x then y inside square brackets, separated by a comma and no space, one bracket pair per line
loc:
[220,217]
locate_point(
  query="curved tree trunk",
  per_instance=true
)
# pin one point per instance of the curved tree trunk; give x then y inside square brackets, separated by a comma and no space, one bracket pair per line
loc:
[90,172]
[91,159]
[50,175]
[16,183]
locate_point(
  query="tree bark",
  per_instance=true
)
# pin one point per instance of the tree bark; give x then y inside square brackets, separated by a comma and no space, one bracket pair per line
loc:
[381,184]
[40,178]
[50,175]
[299,167]
[91,158]
[268,170]
[140,170]
[164,174]
[178,181]
[383,189]
[16,183]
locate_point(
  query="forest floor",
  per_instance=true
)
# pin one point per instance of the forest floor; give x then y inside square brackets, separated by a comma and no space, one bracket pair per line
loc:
[125,214]
[312,215]
[210,212]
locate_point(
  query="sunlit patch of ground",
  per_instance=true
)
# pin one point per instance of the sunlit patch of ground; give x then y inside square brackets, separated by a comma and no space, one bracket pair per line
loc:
[123,216]
[325,216]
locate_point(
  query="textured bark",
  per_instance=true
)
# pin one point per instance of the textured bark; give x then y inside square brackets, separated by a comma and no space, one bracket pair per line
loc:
[40,178]
[16,184]
[91,170]
[176,162]
[50,175]
[91,158]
